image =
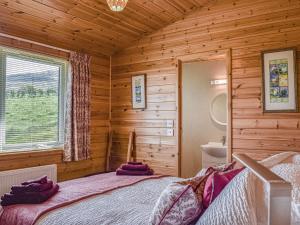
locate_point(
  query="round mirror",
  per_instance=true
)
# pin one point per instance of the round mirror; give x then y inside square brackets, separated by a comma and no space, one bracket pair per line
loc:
[218,109]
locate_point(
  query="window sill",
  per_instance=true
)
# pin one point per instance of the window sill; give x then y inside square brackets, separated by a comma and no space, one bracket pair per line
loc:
[31,151]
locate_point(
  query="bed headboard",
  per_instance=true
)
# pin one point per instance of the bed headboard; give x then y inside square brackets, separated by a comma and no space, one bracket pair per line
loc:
[279,193]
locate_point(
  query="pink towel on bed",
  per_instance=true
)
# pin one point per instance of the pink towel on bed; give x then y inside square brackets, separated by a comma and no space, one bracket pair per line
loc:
[32,187]
[135,163]
[41,180]
[135,167]
[134,172]
[29,197]
[69,192]
[31,192]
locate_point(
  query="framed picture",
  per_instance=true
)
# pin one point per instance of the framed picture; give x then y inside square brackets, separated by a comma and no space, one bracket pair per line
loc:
[279,80]
[138,90]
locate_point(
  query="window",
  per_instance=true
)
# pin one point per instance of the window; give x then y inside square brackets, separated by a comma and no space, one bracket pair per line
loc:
[32,91]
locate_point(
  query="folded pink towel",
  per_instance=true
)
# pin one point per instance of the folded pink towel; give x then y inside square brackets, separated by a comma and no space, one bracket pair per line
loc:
[134,172]
[41,180]
[135,163]
[29,197]
[134,167]
[32,187]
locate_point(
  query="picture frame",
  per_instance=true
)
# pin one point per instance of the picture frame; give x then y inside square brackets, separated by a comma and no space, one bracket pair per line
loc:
[138,91]
[279,70]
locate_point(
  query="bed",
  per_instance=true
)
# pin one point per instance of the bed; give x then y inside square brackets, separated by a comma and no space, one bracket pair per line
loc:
[237,204]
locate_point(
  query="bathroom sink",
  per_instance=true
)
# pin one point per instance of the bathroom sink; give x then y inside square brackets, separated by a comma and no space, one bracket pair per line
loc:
[215,149]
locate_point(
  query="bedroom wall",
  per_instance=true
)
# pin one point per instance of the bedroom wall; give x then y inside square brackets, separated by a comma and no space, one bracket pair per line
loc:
[100,68]
[247,27]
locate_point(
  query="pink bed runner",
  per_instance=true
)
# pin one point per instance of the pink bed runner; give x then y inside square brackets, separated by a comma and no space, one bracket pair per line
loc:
[69,192]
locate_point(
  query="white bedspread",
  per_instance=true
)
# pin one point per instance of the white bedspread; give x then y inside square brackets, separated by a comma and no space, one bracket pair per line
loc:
[240,203]
[126,206]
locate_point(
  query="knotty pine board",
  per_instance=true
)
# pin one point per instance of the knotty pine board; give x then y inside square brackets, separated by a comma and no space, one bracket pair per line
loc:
[71,23]
[246,27]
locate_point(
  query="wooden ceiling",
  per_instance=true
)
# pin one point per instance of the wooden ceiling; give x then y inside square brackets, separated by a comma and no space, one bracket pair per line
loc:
[89,25]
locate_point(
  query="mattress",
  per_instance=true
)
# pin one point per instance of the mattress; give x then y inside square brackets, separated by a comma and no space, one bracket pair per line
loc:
[124,206]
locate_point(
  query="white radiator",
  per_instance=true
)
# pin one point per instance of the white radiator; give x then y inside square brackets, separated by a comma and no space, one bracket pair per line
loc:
[16,177]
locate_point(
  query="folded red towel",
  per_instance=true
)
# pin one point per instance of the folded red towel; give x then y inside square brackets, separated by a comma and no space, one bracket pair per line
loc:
[135,163]
[134,167]
[29,197]
[41,180]
[134,172]
[32,187]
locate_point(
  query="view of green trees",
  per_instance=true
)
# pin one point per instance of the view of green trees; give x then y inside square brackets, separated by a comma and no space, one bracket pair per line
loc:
[30,91]
[31,115]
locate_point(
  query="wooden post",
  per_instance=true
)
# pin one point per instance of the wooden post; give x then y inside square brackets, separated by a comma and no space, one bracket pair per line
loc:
[229,105]
[110,136]
[110,131]
[130,146]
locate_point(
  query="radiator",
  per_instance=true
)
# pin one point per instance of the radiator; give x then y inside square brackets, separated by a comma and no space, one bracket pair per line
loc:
[15,177]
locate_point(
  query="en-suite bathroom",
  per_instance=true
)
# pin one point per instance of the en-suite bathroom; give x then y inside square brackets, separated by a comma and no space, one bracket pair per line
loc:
[204,110]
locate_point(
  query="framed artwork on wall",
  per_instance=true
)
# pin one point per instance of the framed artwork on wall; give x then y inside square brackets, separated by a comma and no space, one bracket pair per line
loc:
[138,90]
[279,80]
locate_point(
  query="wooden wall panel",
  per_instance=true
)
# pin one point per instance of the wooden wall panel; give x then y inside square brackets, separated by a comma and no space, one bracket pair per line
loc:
[153,146]
[99,123]
[246,27]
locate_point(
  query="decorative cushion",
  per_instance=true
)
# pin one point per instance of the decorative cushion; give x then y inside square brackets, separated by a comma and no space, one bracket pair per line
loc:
[180,203]
[242,201]
[222,168]
[215,184]
[235,205]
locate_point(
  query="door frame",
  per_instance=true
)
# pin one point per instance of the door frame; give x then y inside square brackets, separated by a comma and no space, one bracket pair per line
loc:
[205,56]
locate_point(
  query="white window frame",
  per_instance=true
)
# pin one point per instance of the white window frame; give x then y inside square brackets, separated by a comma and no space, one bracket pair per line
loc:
[48,60]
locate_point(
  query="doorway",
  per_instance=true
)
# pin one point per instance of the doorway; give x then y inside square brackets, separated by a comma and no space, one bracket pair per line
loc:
[204,113]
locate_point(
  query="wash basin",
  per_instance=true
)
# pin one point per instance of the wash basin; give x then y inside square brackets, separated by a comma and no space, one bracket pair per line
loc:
[215,149]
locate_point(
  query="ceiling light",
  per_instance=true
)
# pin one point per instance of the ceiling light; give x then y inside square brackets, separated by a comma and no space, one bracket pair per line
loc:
[117,5]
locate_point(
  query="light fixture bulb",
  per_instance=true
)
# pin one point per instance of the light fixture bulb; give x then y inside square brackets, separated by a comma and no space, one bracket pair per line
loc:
[117,5]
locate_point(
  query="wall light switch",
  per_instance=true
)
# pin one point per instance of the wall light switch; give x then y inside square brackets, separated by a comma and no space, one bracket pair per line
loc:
[170,132]
[170,123]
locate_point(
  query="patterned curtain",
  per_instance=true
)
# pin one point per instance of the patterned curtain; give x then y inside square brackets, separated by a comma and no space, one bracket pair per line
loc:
[77,116]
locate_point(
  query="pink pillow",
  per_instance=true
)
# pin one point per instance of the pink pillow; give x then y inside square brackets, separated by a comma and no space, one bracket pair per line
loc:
[215,184]
[180,203]
[222,168]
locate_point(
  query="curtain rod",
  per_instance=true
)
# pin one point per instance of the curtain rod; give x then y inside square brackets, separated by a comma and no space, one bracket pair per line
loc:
[34,42]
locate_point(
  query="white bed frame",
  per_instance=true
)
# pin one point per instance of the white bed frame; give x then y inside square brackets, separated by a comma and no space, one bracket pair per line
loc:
[279,194]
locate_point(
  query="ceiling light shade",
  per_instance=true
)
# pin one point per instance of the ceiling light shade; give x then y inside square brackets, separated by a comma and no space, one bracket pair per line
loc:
[117,5]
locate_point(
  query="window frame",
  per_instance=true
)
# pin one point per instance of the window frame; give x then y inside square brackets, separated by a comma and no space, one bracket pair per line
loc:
[62,87]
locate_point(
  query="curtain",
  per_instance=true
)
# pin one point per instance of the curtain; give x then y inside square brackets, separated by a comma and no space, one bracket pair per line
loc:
[77,112]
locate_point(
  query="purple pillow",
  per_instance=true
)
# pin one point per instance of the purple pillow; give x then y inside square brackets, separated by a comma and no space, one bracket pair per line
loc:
[215,184]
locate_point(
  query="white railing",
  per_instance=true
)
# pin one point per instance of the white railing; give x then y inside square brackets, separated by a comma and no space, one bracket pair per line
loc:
[279,191]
